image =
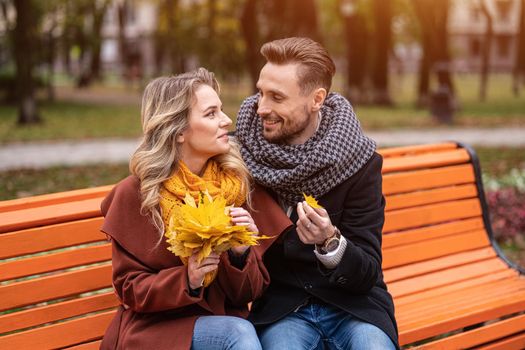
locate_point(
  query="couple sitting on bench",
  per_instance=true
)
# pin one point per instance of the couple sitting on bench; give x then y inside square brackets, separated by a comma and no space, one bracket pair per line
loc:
[316,279]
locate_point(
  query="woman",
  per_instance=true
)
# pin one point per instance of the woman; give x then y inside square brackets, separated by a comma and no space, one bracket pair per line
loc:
[185,149]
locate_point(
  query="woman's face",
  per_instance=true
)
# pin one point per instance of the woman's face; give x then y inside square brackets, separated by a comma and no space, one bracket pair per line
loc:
[207,134]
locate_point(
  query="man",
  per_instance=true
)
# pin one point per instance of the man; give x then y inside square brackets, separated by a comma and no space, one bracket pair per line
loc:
[327,285]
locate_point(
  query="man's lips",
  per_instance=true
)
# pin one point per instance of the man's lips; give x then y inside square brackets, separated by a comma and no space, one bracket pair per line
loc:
[271,121]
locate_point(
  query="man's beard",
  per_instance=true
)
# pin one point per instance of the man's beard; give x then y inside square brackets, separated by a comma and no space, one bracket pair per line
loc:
[287,132]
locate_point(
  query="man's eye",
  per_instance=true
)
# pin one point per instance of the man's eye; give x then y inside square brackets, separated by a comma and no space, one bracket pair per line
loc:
[277,97]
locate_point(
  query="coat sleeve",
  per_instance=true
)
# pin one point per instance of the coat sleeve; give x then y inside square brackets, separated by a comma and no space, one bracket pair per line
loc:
[145,290]
[362,223]
[242,286]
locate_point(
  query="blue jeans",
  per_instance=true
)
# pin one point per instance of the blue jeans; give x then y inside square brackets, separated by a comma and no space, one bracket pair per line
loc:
[315,326]
[224,332]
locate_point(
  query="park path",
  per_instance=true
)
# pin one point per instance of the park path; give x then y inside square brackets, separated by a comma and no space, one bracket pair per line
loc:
[47,154]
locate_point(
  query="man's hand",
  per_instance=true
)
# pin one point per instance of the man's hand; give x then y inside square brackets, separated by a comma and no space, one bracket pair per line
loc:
[242,217]
[314,225]
[197,271]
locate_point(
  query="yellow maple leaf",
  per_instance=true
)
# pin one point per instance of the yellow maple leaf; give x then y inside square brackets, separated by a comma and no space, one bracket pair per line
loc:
[205,225]
[311,201]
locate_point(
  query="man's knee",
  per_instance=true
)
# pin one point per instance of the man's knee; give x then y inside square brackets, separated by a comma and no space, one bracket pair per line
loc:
[367,336]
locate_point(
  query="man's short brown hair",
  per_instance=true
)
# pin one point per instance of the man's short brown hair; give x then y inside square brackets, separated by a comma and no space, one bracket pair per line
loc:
[316,68]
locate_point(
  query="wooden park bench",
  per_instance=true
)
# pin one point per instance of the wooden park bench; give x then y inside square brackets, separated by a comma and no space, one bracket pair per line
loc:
[451,285]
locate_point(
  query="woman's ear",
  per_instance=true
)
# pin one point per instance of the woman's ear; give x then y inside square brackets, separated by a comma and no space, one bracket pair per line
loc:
[180,137]
[319,96]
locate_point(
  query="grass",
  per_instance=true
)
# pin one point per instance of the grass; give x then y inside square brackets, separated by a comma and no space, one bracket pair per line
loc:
[96,116]
[72,120]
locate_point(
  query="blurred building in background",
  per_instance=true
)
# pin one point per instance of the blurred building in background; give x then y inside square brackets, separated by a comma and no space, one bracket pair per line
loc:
[468,26]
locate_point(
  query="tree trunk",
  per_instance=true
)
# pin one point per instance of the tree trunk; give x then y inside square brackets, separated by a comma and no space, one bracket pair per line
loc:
[424,10]
[383,33]
[356,37]
[303,17]
[250,34]
[442,64]
[25,38]
[176,57]
[98,13]
[519,65]
[122,9]
[487,44]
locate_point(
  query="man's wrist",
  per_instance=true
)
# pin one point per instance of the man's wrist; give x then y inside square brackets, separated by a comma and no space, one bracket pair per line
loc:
[331,243]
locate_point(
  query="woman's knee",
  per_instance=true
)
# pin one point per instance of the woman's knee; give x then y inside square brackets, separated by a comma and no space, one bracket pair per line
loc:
[242,334]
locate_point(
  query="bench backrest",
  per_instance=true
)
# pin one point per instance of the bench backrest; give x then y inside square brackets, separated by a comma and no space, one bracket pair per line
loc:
[55,269]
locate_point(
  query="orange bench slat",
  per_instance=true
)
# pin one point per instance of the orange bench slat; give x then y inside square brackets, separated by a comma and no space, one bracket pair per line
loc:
[417,180]
[460,318]
[434,248]
[414,199]
[50,214]
[441,278]
[54,198]
[400,238]
[54,312]
[445,262]
[480,335]
[50,237]
[430,160]
[61,334]
[55,261]
[403,219]
[516,342]
[434,294]
[94,345]
[404,150]
[55,286]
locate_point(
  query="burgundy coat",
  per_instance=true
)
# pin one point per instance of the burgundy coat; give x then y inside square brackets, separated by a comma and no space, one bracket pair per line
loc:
[157,311]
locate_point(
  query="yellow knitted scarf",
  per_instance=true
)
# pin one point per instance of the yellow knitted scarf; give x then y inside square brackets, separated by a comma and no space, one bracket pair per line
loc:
[215,180]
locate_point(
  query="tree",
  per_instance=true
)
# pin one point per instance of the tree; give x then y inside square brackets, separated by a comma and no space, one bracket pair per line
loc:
[263,21]
[25,44]
[433,20]
[382,40]
[357,37]
[487,45]
[425,21]
[519,65]
[98,11]
[250,33]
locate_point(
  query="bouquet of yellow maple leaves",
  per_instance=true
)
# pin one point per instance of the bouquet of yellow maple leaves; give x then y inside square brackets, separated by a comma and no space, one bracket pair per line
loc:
[205,226]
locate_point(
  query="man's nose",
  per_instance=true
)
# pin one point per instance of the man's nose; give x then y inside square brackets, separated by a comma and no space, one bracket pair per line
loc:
[262,108]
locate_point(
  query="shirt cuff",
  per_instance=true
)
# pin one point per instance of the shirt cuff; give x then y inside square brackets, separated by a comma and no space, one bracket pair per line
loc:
[332,259]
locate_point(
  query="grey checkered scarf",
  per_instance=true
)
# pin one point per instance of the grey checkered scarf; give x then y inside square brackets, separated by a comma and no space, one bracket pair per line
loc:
[336,151]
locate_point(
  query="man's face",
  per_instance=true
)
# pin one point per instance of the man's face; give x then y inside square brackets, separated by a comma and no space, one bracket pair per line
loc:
[287,115]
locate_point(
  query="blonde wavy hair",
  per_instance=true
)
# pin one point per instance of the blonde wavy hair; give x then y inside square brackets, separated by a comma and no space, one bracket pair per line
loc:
[166,106]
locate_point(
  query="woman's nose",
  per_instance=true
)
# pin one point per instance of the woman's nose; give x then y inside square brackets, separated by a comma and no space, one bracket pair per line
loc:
[226,121]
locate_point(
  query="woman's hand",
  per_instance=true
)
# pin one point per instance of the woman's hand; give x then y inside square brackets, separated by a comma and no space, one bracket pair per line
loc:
[242,217]
[197,271]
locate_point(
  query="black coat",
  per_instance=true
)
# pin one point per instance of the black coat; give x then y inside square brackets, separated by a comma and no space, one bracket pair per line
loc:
[356,207]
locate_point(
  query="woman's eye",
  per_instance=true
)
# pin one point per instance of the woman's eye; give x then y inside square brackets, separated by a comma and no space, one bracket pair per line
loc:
[211,114]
